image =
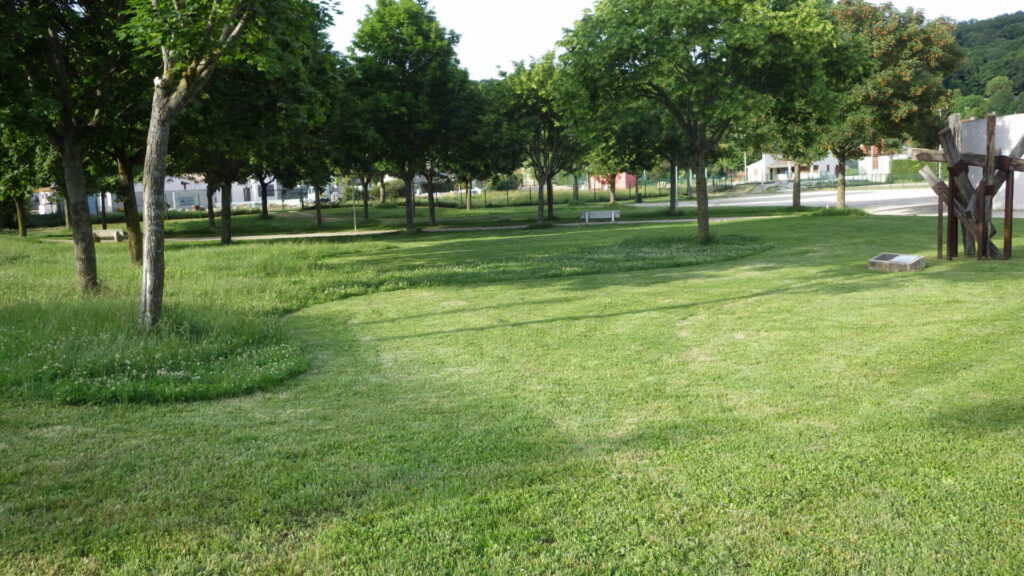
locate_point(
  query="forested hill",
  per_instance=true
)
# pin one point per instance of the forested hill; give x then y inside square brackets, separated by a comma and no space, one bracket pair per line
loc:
[993,47]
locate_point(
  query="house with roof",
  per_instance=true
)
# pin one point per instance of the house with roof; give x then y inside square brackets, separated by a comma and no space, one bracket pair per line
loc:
[772,168]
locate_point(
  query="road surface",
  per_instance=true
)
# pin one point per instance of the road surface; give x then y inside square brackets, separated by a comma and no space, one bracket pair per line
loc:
[881,201]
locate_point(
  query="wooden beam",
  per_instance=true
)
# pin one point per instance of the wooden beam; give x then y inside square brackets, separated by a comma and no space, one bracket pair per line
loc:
[977,160]
[974,228]
[1008,217]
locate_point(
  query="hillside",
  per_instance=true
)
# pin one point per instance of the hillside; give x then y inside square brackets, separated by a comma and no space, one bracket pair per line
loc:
[992,47]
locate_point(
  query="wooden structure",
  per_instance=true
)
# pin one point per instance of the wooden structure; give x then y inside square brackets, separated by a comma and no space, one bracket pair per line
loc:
[969,207]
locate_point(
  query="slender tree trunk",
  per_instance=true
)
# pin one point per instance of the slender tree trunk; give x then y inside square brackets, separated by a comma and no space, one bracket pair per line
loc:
[366,199]
[673,195]
[264,186]
[103,210]
[541,177]
[225,212]
[469,195]
[78,212]
[431,207]
[66,212]
[703,213]
[841,181]
[689,190]
[126,181]
[210,190]
[575,188]
[612,199]
[19,209]
[383,191]
[154,207]
[796,187]
[551,197]
[410,200]
[319,210]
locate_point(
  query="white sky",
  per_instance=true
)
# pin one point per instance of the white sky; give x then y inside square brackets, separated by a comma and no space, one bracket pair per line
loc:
[496,33]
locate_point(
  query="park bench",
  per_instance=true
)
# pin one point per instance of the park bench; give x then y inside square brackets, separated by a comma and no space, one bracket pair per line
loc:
[113,234]
[600,215]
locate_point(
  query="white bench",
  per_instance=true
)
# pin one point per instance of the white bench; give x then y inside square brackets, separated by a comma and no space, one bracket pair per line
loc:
[600,215]
[115,234]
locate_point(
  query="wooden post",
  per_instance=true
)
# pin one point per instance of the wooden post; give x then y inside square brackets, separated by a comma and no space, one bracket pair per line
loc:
[982,222]
[1008,212]
[952,230]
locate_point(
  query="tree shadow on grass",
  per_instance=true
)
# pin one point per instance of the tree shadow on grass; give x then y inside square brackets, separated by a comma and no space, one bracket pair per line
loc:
[988,417]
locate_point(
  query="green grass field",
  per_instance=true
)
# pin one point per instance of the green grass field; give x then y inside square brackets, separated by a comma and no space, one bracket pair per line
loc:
[575,401]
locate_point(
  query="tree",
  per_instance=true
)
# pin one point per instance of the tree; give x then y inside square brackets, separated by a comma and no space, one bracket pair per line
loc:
[59,60]
[899,91]
[535,111]
[483,144]
[191,41]
[991,47]
[405,68]
[27,162]
[715,67]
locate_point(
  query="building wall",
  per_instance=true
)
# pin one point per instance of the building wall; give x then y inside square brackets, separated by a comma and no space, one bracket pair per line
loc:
[1009,130]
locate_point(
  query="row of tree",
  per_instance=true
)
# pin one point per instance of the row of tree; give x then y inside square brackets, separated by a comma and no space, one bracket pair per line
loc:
[256,91]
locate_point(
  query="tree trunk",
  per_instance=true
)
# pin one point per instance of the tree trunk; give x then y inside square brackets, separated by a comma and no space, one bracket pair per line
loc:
[673,195]
[383,191]
[210,190]
[78,212]
[841,181]
[796,187]
[689,190]
[469,195]
[575,188]
[103,210]
[19,209]
[703,214]
[264,186]
[154,173]
[611,194]
[410,200]
[431,207]
[366,199]
[225,212]
[540,196]
[319,211]
[126,181]
[551,197]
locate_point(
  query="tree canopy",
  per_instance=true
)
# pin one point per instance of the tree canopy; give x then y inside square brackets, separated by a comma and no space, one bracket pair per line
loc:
[716,67]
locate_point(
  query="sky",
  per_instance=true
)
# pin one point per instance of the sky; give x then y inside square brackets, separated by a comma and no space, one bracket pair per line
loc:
[496,33]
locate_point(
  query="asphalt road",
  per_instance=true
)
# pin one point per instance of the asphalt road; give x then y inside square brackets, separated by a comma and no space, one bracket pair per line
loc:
[882,201]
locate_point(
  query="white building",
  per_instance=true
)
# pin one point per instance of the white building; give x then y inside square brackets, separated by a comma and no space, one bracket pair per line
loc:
[877,166]
[771,168]
[1009,130]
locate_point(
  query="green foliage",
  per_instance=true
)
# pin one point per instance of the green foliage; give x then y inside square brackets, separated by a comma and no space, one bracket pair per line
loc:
[537,114]
[504,182]
[898,89]
[832,212]
[405,68]
[992,48]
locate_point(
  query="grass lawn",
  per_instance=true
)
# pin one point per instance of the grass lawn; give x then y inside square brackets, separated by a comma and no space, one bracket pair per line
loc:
[393,217]
[579,401]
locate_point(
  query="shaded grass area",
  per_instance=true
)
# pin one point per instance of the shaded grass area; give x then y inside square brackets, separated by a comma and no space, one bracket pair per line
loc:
[787,413]
[393,218]
[221,336]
